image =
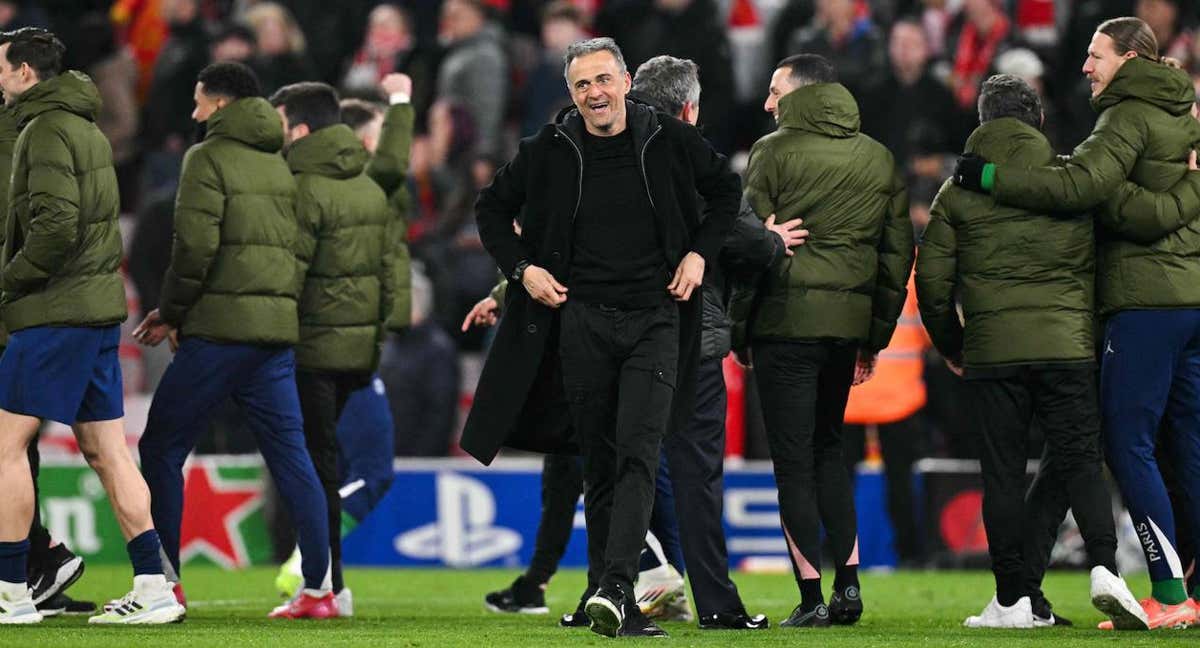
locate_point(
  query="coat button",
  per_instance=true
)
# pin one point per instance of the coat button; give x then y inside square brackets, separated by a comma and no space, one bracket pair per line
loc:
[556,256]
[532,328]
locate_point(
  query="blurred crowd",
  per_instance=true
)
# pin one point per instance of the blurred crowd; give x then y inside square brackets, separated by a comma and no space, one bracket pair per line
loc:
[487,72]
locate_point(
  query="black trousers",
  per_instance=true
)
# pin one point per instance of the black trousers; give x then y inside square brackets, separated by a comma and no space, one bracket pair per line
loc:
[1065,404]
[562,484]
[323,396]
[804,387]
[901,443]
[696,455]
[619,370]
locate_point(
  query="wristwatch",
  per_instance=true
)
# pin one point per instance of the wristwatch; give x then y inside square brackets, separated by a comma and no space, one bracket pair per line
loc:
[519,271]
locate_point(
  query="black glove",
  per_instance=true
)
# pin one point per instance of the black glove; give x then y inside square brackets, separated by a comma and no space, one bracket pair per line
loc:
[968,172]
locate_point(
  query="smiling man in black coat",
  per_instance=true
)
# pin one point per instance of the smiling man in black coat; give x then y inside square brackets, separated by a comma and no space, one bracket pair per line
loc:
[600,313]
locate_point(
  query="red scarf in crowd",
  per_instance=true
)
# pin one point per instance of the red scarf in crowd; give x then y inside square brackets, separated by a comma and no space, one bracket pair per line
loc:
[974,57]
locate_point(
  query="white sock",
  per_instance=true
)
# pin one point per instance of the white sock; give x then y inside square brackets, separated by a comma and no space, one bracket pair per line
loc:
[150,583]
[13,591]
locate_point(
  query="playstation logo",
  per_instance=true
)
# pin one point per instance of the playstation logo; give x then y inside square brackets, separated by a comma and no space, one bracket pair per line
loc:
[463,535]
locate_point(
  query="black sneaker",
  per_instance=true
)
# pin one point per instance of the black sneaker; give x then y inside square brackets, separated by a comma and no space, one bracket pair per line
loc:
[62,604]
[845,607]
[522,597]
[737,620]
[1044,615]
[606,609]
[55,574]
[818,617]
[576,619]
[639,625]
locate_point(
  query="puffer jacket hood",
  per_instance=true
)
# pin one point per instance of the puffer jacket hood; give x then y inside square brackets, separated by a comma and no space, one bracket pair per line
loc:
[1158,84]
[251,121]
[72,91]
[332,152]
[824,108]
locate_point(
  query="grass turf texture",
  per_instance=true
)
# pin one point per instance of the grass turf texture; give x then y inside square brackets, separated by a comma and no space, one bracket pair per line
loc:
[445,608]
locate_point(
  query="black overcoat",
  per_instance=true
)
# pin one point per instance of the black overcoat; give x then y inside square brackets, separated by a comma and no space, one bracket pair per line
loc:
[519,402]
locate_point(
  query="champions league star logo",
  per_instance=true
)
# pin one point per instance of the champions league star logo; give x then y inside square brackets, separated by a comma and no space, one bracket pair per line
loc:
[463,535]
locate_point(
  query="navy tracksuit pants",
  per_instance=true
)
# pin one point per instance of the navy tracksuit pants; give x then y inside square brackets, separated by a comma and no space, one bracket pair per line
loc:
[366,446]
[262,381]
[1150,369]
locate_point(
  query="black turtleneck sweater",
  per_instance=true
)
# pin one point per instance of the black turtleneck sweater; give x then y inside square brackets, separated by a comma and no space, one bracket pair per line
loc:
[617,256]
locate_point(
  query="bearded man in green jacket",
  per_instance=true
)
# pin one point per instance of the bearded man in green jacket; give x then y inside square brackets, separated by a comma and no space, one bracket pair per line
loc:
[822,315]
[229,309]
[63,302]
[346,275]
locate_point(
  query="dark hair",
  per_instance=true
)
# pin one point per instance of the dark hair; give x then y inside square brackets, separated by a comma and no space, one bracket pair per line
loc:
[357,113]
[1130,34]
[1005,95]
[229,79]
[37,47]
[808,69]
[311,103]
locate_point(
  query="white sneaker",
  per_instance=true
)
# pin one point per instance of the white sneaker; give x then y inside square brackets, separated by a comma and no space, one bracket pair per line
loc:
[1017,615]
[656,589]
[680,609]
[152,601]
[16,604]
[1111,596]
[345,602]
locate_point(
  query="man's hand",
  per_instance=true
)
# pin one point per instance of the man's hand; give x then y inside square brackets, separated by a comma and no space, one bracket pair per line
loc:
[688,276]
[396,83]
[153,330]
[955,366]
[968,172]
[542,286]
[864,369]
[482,314]
[1192,166]
[790,232]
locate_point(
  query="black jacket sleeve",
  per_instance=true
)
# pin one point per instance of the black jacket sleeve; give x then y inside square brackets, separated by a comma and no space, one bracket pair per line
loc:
[498,205]
[721,189]
[750,247]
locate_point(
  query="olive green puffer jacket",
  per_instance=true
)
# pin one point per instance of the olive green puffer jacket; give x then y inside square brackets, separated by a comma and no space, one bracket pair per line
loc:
[389,169]
[233,267]
[62,243]
[849,280]
[345,258]
[1144,133]
[1025,279]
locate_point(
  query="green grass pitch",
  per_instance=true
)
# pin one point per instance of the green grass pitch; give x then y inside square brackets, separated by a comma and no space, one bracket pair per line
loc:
[445,608]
